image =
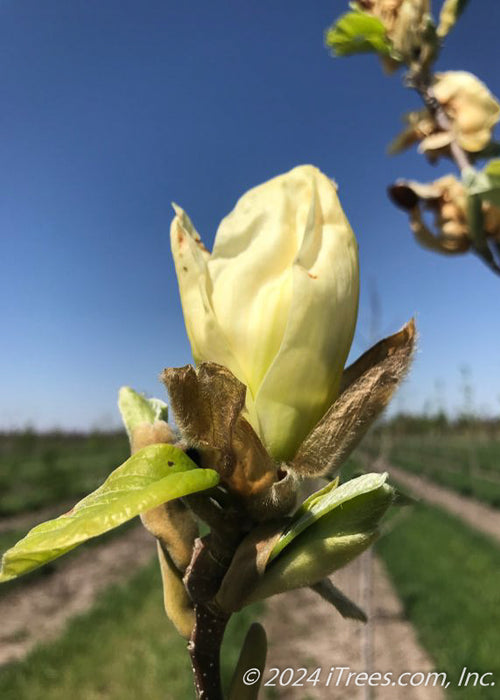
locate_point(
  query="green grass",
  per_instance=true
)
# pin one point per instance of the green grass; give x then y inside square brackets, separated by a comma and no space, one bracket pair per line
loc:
[123,649]
[448,578]
[39,470]
[466,464]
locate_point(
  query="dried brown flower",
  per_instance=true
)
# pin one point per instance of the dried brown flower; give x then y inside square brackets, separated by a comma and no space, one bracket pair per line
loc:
[446,198]
[471,109]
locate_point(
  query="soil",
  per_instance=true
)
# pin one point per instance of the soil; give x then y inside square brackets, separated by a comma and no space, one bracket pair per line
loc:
[40,610]
[322,638]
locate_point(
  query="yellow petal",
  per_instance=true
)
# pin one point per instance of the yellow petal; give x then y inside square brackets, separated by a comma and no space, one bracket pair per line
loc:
[207,339]
[304,377]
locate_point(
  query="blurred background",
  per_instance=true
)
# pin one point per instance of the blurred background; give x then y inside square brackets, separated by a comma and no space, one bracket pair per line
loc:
[111,111]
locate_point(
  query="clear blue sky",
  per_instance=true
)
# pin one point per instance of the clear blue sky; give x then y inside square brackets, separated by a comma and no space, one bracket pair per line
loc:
[111,110]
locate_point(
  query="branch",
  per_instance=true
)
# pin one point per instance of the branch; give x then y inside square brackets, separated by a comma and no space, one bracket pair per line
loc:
[202,580]
[204,650]
[209,563]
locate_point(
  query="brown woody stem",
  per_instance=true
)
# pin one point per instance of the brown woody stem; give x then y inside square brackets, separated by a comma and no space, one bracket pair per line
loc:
[204,650]
[202,579]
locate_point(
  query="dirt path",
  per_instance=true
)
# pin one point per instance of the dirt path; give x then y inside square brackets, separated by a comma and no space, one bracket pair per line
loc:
[476,514]
[39,611]
[321,638]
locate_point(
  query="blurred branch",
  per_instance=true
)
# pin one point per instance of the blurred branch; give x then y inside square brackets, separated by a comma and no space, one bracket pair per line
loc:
[422,83]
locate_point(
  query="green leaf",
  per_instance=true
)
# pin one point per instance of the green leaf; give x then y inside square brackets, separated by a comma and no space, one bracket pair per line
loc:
[475,220]
[492,169]
[252,656]
[450,12]
[306,561]
[335,529]
[315,498]
[154,475]
[358,32]
[325,501]
[136,409]
[484,184]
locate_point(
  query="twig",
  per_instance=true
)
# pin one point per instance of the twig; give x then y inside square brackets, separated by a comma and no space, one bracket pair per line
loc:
[204,650]
[202,580]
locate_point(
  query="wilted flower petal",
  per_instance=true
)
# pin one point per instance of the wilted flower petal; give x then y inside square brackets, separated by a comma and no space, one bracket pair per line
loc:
[405,22]
[471,107]
[446,198]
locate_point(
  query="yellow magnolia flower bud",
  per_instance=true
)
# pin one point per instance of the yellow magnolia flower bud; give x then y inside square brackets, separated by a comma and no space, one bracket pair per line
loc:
[276,302]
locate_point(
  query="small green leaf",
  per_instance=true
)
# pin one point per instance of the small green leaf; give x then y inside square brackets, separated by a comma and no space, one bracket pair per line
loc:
[450,12]
[308,560]
[154,475]
[475,220]
[484,183]
[136,409]
[252,656]
[315,498]
[358,32]
[323,502]
[333,529]
[492,169]
[481,187]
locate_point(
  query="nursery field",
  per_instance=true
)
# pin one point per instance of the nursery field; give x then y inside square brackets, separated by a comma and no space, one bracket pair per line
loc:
[448,578]
[466,464]
[123,648]
[96,656]
[39,470]
[445,573]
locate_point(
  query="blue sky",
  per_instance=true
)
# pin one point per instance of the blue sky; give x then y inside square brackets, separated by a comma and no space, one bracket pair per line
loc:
[111,110]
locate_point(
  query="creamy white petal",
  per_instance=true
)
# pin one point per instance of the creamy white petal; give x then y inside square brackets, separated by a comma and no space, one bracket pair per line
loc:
[251,269]
[207,339]
[304,377]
